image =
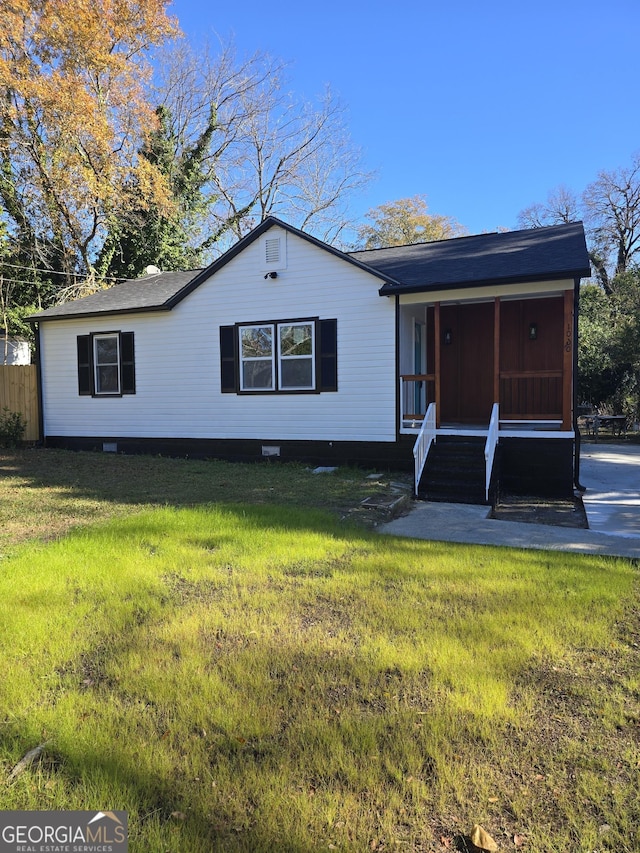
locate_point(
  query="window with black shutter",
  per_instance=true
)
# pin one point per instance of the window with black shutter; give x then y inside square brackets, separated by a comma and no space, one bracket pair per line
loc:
[106,364]
[228,359]
[328,355]
[279,356]
[85,366]
[127,364]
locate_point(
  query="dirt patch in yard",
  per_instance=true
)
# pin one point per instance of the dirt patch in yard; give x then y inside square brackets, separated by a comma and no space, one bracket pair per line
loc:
[536,510]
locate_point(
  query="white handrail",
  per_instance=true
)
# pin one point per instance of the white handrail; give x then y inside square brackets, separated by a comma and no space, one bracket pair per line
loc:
[490,445]
[426,436]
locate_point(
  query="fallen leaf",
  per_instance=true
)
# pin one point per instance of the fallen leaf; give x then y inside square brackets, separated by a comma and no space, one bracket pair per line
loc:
[493,799]
[178,815]
[445,841]
[519,840]
[481,838]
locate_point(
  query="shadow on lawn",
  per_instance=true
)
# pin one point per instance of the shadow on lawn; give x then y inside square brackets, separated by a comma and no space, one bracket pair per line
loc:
[77,484]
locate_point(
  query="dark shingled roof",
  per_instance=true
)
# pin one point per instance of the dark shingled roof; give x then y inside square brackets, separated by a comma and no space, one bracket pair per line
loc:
[540,254]
[149,293]
[556,252]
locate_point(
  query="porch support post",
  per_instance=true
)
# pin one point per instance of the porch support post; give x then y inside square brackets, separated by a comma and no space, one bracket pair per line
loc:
[437,342]
[567,360]
[496,350]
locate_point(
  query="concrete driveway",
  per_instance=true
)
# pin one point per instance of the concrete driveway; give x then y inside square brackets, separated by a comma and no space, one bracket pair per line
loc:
[611,475]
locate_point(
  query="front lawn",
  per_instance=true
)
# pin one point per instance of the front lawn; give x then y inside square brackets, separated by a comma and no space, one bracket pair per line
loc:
[264,677]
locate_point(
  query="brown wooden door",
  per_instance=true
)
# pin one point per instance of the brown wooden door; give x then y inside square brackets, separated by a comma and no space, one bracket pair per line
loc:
[466,363]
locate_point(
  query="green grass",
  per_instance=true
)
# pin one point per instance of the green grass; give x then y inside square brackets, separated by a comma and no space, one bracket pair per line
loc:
[44,493]
[264,677]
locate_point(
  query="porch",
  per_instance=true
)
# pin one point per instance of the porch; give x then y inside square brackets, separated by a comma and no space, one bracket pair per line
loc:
[467,356]
[487,373]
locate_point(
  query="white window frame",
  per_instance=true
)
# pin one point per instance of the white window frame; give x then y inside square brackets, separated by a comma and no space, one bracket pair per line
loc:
[277,358]
[252,359]
[98,364]
[310,357]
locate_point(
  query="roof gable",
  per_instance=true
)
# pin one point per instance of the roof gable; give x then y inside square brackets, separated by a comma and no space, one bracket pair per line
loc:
[163,291]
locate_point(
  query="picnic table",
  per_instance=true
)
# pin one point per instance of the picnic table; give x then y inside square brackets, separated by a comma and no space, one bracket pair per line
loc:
[616,423]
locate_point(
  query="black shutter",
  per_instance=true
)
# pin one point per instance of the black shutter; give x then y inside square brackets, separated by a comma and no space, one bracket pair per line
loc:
[228,359]
[127,364]
[85,366]
[328,355]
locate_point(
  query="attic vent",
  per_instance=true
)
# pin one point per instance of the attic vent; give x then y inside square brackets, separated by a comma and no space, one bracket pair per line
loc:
[272,250]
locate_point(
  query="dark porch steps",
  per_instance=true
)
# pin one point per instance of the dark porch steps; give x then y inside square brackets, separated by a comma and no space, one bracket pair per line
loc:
[455,471]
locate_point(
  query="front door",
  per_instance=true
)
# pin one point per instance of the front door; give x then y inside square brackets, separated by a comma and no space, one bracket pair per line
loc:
[466,363]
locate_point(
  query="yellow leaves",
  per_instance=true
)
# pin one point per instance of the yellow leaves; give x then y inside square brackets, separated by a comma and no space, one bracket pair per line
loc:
[153,187]
[78,114]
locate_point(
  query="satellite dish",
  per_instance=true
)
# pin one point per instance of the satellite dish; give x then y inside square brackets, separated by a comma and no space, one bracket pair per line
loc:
[151,270]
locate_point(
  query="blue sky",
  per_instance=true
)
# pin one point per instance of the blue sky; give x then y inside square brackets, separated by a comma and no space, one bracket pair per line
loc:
[483,107]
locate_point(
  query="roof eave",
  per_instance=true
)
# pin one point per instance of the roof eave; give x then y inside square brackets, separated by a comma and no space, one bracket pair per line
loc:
[392,289]
[38,318]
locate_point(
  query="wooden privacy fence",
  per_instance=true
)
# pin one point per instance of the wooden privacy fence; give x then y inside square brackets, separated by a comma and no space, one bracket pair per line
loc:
[19,393]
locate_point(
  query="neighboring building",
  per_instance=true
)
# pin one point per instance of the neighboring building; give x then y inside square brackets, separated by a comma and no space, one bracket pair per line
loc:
[287,347]
[14,350]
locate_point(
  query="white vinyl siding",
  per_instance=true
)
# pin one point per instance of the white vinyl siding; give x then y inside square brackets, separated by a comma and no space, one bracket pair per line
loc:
[177,358]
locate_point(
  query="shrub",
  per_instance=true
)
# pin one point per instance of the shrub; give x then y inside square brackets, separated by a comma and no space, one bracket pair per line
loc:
[12,428]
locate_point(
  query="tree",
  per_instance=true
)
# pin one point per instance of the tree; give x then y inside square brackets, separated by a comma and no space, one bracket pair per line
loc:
[235,147]
[609,345]
[72,116]
[598,377]
[400,223]
[626,340]
[150,234]
[612,215]
[610,208]
[562,206]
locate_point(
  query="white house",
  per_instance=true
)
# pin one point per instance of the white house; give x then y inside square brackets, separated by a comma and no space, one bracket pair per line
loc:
[287,347]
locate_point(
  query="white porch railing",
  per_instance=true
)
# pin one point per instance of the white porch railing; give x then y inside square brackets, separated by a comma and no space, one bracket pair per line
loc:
[416,389]
[490,445]
[426,436]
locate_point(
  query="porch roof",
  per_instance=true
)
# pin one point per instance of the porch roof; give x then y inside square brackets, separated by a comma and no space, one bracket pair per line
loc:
[539,254]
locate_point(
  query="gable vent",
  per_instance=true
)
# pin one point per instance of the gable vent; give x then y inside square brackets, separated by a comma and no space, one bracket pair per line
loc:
[272,250]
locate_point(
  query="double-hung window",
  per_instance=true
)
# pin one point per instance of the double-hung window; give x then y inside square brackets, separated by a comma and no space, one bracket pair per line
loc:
[257,358]
[296,346]
[106,364]
[277,356]
[285,356]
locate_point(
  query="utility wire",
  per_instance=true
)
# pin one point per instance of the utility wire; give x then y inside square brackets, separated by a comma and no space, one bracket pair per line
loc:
[48,272]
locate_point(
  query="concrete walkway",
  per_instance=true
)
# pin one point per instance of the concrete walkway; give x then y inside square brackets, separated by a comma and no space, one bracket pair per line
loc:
[611,475]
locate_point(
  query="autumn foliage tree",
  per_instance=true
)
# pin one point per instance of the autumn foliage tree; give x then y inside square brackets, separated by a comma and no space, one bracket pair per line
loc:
[73,113]
[403,222]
